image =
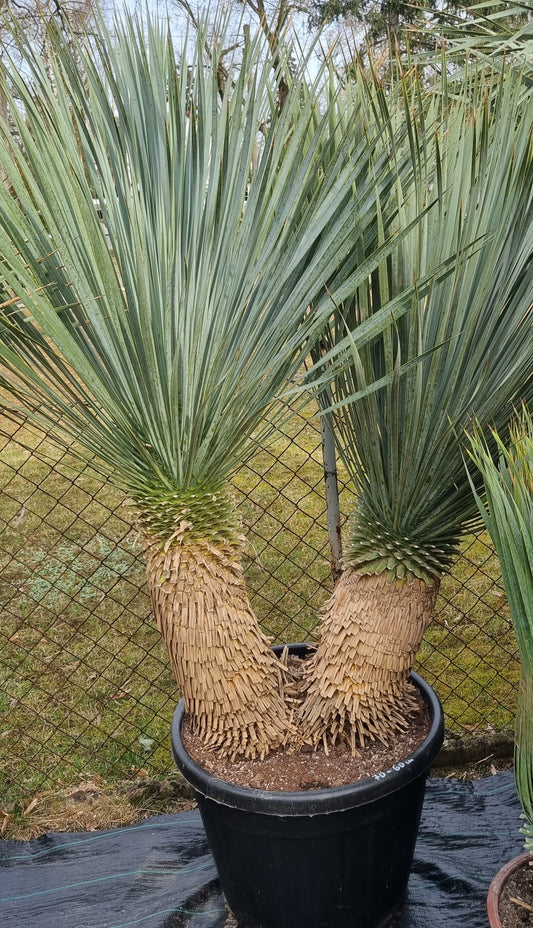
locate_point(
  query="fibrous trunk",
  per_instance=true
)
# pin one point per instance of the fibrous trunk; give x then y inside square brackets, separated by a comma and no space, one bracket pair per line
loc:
[231,682]
[358,680]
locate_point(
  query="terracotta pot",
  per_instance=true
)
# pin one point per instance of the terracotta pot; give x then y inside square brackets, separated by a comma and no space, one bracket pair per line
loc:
[495,888]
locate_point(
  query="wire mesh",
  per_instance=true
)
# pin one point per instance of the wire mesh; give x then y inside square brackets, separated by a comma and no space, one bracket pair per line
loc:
[85,685]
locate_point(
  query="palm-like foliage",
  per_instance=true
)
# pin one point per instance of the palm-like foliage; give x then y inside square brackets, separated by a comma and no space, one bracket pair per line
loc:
[159,338]
[401,444]
[507,510]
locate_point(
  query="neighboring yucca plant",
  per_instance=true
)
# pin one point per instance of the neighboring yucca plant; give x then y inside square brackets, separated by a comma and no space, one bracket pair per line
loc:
[160,342]
[402,444]
[507,510]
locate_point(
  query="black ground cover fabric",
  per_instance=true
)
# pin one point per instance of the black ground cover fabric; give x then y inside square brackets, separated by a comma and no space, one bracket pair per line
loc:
[160,874]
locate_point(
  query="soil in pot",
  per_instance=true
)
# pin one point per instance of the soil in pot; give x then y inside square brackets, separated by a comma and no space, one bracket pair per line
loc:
[309,769]
[516,898]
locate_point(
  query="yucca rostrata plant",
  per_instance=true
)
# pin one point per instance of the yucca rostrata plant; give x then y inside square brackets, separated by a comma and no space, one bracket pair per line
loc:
[507,511]
[402,444]
[158,338]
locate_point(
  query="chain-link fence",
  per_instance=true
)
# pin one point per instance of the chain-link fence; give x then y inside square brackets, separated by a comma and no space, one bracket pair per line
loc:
[85,685]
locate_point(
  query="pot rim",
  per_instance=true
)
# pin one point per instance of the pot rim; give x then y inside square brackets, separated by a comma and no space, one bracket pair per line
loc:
[328,799]
[495,888]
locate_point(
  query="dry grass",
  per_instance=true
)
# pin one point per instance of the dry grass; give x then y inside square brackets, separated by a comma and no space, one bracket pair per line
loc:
[93,805]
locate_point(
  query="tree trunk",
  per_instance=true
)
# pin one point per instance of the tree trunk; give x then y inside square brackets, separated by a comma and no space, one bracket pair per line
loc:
[230,679]
[358,684]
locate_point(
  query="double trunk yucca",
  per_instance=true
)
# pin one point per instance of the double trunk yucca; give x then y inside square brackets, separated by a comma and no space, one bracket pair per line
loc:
[160,339]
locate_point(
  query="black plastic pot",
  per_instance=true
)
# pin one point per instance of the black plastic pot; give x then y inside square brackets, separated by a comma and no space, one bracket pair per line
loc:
[329,858]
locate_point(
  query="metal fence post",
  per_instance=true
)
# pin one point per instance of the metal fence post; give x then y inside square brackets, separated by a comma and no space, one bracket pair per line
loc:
[329,457]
